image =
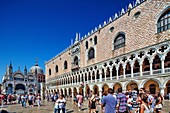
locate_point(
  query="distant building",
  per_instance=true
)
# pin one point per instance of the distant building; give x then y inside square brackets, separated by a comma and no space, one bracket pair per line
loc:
[129,50]
[19,82]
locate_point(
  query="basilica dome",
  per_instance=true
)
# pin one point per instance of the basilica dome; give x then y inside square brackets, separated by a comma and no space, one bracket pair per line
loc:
[36,69]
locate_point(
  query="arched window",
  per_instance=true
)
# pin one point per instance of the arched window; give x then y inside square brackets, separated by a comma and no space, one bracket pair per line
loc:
[87,45]
[119,41]
[49,71]
[95,40]
[56,68]
[152,88]
[76,60]
[91,53]
[164,21]
[65,65]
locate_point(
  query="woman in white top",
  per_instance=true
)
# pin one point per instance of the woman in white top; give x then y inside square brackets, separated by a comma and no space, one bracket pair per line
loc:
[61,104]
[144,105]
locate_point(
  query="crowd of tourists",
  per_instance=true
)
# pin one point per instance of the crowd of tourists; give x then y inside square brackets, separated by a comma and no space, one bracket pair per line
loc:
[23,99]
[120,102]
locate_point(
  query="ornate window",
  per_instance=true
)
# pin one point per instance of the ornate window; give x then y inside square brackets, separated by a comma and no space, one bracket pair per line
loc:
[91,54]
[65,65]
[56,68]
[87,45]
[137,14]
[49,71]
[164,21]
[119,41]
[95,40]
[76,60]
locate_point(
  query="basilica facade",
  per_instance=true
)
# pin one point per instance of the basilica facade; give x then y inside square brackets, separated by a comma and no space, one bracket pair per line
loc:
[129,50]
[19,82]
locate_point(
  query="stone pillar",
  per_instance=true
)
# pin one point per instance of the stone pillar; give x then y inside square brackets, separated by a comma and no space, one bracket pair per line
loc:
[124,69]
[151,70]
[141,73]
[67,92]
[105,71]
[131,70]
[111,73]
[95,74]
[117,72]
[91,77]
[162,91]
[162,65]
[72,80]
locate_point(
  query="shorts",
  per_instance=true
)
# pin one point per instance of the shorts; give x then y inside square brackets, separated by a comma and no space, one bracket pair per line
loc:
[79,104]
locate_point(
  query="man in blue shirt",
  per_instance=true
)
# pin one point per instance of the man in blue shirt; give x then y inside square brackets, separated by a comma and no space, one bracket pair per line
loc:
[109,102]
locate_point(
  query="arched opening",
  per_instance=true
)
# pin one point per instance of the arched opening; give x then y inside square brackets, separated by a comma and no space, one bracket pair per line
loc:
[108,73]
[87,90]
[96,89]
[156,63]
[103,74]
[146,65]
[78,78]
[75,91]
[105,88]
[116,87]
[119,41]
[163,23]
[85,77]
[132,86]
[93,76]
[95,40]
[62,92]
[56,68]
[91,53]
[120,70]
[76,61]
[20,89]
[65,92]
[9,90]
[49,71]
[128,68]
[167,89]
[65,65]
[70,92]
[152,86]
[89,77]
[114,72]
[136,68]
[167,60]
[98,76]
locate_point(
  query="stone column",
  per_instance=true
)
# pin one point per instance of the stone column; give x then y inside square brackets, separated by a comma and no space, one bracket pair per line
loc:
[117,72]
[91,77]
[131,70]
[162,65]
[124,69]
[95,74]
[151,70]
[162,91]
[141,73]
[111,76]
[72,80]
[105,72]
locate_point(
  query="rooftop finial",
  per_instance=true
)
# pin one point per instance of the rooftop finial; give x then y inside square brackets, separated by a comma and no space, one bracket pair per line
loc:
[77,38]
[36,62]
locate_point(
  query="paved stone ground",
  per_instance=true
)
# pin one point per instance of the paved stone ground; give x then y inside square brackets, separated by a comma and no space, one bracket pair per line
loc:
[48,107]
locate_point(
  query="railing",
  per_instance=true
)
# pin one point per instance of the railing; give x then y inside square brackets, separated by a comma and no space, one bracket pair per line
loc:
[136,74]
[146,73]
[128,76]
[157,71]
[167,70]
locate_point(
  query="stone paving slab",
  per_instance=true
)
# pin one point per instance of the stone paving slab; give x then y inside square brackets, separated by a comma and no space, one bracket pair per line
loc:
[48,107]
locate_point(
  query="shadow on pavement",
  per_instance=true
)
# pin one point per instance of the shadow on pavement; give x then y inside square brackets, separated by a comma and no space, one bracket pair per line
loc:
[71,111]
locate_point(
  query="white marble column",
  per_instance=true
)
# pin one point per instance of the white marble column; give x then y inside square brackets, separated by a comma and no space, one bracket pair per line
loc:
[124,69]
[132,70]
[105,73]
[151,69]
[95,74]
[91,76]
[117,72]
[111,76]
[162,65]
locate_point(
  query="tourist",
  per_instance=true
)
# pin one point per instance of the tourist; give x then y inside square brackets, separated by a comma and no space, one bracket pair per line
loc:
[129,103]
[38,100]
[61,104]
[151,101]
[75,100]
[80,101]
[93,104]
[109,102]
[144,108]
[121,99]
[158,100]
[30,100]
[23,101]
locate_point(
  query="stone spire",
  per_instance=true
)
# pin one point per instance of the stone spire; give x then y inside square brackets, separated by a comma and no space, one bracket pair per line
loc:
[25,71]
[77,38]
[36,62]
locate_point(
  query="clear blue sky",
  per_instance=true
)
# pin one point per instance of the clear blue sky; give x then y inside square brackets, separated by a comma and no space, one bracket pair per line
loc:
[31,29]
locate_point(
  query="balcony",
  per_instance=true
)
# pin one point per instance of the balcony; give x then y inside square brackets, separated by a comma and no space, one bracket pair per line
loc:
[75,67]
